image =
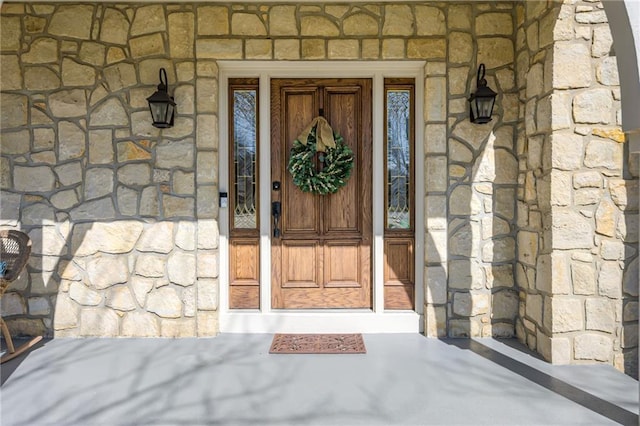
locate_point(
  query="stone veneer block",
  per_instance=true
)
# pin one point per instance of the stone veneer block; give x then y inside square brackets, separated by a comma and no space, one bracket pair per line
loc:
[259,49]
[435,138]
[435,321]
[572,65]
[435,108]
[157,238]
[13,304]
[286,49]
[182,268]
[602,41]
[247,24]
[207,294]
[370,49]
[206,132]
[393,48]
[426,48]
[282,21]
[148,19]
[219,49]
[566,314]
[360,24]
[435,246]
[343,49]
[429,21]
[65,313]
[120,298]
[436,285]
[495,52]
[398,21]
[115,27]
[207,323]
[494,24]
[318,26]
[207,234]
[178,328]
[140,324]
[207,265]
[99,322]
[600,315]
[459,16]
[560,351]
[165,302]
[593,347]
[148,45]
[213,20]
[41,51]
[10,33]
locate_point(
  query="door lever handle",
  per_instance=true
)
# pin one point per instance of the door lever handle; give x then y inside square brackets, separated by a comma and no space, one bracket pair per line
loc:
[276,212]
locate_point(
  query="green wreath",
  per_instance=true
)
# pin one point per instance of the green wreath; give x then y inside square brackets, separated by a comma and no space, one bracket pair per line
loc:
[337,164]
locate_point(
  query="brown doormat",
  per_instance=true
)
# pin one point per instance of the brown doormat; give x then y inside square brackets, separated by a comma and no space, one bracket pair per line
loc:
[317,344]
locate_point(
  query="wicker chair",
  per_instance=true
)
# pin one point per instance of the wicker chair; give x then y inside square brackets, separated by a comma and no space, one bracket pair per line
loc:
[15,248]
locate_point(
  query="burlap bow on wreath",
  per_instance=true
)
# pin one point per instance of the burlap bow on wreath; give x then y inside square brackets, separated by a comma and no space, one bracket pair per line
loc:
[336,159]
[324,134]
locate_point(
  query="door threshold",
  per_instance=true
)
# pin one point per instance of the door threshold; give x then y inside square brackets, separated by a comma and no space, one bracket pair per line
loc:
[332,321]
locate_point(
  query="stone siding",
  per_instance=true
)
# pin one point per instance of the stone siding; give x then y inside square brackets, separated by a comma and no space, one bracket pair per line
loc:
[122,215]
[530,221]
[577,241]
[92,159]
[476,193]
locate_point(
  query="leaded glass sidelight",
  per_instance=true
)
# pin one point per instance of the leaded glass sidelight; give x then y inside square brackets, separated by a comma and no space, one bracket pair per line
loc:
[245,143]
[398,114]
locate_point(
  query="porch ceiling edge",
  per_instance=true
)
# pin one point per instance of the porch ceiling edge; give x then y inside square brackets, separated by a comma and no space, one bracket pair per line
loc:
[625,17]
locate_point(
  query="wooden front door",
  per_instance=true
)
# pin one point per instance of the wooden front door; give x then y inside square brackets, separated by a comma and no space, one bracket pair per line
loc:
[322,258]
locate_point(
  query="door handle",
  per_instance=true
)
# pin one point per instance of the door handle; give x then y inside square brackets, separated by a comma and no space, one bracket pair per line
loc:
[276,212]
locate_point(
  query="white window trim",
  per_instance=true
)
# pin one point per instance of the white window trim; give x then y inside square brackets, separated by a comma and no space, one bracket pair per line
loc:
[266,320]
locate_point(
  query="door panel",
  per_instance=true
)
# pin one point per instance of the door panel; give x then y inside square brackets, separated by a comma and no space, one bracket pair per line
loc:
[301,107]
[398,274]
[244,290]
[301,261]
[322,258]
[343,264]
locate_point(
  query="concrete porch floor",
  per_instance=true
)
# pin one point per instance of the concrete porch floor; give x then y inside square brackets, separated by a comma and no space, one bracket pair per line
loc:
[404,379]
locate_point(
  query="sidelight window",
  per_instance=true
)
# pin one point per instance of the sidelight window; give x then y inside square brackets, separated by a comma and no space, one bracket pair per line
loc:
[399,288]
[399,152]
[244,134]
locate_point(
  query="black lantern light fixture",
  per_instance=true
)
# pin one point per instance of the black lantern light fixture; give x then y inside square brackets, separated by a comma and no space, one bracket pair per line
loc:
[481,102]
[161,104]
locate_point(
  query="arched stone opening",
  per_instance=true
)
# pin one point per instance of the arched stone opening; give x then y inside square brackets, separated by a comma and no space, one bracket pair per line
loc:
[579,296]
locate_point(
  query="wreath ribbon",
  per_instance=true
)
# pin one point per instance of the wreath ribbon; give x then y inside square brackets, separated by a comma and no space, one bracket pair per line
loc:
[324,134]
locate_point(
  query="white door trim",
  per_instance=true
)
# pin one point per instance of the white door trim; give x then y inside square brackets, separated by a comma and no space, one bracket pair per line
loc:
[266,320]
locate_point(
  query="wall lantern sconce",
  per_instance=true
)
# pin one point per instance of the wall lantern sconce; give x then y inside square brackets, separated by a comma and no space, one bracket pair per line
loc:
[161,104]
[481,102]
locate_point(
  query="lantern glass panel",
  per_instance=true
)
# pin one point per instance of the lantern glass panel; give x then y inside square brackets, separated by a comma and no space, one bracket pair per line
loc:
[473,103]
[485,107]
[169,116]
[158,111]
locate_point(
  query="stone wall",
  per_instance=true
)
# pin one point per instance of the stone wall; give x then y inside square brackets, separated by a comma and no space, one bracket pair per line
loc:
[536,22]
[81,161]
[477,193]
[122,215]
[577,267]
[535,210]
